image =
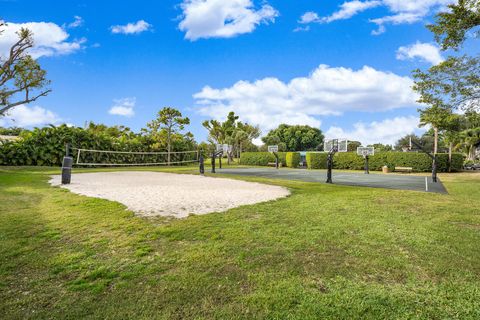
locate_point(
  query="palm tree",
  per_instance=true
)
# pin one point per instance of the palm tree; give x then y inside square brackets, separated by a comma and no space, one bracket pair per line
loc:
[471,140]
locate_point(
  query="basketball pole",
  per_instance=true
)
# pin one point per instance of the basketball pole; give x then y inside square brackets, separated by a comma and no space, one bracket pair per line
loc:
[367,171]
[213,162]
[329,167]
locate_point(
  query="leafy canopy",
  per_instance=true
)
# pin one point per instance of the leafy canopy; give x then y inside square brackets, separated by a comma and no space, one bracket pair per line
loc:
[295,138]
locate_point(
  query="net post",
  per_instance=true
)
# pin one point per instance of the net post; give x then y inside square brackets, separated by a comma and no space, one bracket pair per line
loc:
[220,160]
[67,166]
[67,149]
[434,168]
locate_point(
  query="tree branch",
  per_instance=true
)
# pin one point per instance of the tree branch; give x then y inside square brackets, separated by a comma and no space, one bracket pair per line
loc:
[27,100]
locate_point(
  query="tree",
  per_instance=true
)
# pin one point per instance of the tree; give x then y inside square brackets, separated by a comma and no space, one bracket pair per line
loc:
[353,145]
[471,139]
[114,131]
[455,82]
[232,132]
[452,25]
[244,134]
[22,80]
[13,131]
[295,138]
[379,147]
[169,121]
[439,118]
[425,141]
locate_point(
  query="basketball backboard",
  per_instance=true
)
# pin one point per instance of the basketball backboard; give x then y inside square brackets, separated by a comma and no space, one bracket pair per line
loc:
[273,148]
[223,148]
[335,145]
[365,151]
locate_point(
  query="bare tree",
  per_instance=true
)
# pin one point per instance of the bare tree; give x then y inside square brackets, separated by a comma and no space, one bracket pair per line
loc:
[22,80]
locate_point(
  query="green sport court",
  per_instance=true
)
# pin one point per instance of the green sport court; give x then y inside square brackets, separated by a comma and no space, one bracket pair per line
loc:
[373,180]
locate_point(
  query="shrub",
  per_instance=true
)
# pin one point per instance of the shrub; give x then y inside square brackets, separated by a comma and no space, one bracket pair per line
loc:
[316,160]
[348,160]
[46,146]
[420,162]
[292,159]
[261,158]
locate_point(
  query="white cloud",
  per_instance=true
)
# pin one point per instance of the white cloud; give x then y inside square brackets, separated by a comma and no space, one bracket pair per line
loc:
[123,107]
[222,19]
[299,29]
[425,51]
[309,17]
[78,22]
[25,116]
[408,11]
[132,28]
[49,39]
[402,11]
[387,131]
[349,9]
[326,91]
[401,18]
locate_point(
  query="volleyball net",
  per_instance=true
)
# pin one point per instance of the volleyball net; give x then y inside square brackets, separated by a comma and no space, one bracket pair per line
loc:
[87,157]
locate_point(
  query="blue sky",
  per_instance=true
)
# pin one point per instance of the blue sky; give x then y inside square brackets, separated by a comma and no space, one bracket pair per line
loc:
[343,66]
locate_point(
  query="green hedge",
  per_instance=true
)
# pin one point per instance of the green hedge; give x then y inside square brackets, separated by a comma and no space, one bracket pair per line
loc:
[292,159]
[316,160]
[261,158]
[46,147]
[420,162]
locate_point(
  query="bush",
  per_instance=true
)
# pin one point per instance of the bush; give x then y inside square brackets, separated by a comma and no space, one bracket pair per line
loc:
[292,159]
[46,147]
[261,158]
[316,160]
[420,162]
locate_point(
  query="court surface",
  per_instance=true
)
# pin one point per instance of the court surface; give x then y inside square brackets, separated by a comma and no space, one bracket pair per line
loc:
[373,180]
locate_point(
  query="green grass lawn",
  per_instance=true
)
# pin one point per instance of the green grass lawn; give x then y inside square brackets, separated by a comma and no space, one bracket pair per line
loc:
[325,252]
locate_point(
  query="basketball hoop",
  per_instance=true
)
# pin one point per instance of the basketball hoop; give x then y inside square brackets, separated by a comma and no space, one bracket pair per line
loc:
[333,146]
[273,149]
[366,152]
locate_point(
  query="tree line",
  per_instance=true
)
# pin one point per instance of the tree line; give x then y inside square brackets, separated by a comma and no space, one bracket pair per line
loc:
[450,91]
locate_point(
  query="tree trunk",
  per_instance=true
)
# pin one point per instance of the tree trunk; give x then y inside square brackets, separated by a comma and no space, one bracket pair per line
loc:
[471,153]
[168,147]
[450,147]
[435,143]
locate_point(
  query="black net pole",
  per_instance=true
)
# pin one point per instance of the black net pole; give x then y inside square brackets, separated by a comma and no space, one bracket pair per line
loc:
[67,166]
[276,160]
[220,160]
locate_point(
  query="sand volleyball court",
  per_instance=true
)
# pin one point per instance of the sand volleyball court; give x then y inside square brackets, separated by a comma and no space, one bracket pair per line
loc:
[168,194]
